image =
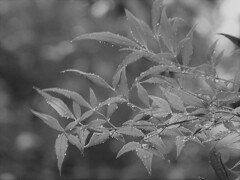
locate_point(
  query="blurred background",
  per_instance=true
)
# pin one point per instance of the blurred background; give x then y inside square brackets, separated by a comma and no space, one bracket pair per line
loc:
[35,47]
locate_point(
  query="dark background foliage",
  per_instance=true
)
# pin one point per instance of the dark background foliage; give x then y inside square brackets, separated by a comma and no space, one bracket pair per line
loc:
[35,46]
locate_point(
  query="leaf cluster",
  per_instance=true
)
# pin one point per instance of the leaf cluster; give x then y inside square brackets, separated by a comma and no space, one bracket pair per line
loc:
[177,113]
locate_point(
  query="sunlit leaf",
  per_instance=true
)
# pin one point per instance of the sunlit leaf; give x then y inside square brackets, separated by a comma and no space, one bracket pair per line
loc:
[131,146]
[61,146]
[108,37]
[143,95]
[146,158]
[92,77]
[130,131]
[49,120]
[57,104]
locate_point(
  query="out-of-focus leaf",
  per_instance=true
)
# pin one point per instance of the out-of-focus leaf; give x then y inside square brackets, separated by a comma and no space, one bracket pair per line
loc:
[74,140]
[61,146]
[92,77]
[71,95]
[175,101]
[211,51]
[180,143]
[110,38]
[217,164]
[77,110]
[49,120]
[98,138]
[93,99]
[130,131]
[146,158]
[57,104]
[131,146]
[140,31]
[142,94]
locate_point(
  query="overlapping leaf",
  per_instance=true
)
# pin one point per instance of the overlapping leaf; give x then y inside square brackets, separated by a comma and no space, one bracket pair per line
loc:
[131,146]
[71,95]
[98,138]
[143,95]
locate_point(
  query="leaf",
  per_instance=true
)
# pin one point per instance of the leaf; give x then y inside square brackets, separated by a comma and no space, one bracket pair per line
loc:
[145,125]
[152,71]
[233,39]
[57,104]
[96,123]
[176,23]
[186,50]
[71,125]
[98,138]
[49,120]
[158,144]
[140,31]
[156,13]
[211,52]
[93,99]
[74,140]
[146,158]
[87,114]
[130,131]
[77,110]
[83,134]
[175,101]
[112,100]
[131,58]
[131,146]
[217,164]
[71,95]
[180,143]
[61,146]
[108,37]
[188,98]
[160,106]
[123,85]
[143,95]
[166,32]
[111,109]
[118,137]
[92,77]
